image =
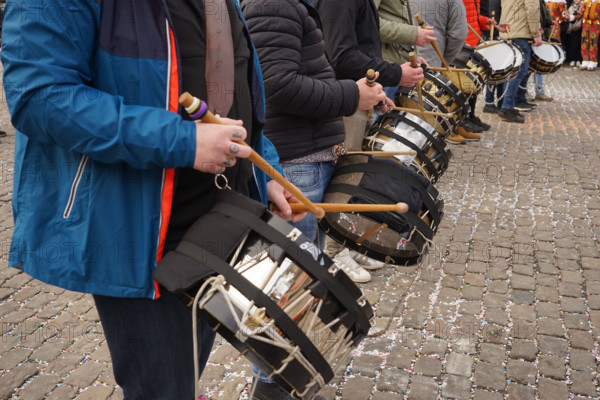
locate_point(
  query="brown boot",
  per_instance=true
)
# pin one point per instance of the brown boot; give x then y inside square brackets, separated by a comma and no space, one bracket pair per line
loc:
[469,136]
[455,139]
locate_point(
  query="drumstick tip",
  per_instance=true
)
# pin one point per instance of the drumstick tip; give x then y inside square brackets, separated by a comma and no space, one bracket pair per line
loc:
[186,99]
[401,208]
[319,213]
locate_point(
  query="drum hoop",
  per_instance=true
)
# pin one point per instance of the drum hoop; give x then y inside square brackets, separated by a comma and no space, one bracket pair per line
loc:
[408,259]
[300,258]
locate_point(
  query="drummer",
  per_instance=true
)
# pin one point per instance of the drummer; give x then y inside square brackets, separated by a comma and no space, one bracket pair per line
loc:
[450,26]
[305,104]
[399,36]
[525,26]
[479,23]
[145,174]
[353,46]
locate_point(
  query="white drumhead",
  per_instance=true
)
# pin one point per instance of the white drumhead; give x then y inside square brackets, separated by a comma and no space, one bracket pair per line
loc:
[547,52]
[500,56]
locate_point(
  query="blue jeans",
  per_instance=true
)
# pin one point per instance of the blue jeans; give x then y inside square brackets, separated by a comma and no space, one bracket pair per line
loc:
[510,97]
[390,91]
[312,180]
[539,83]
[494,93]
[150,343]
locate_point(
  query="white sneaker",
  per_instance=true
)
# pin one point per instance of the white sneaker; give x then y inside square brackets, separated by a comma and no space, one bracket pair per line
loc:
[572,63]
[351,268]
[366,262]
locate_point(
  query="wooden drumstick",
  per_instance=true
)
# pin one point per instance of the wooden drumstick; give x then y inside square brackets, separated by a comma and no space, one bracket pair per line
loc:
[370,76]
[452,69]
[370,82]
[384,153]
[411,110]
[198,110]
[493,25]
[552,32]
[488,44]
[475,33]
[435,46]
[400,208]
[413,64]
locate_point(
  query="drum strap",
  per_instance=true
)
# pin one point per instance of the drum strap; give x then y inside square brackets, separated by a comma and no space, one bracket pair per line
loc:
[302,258]
[413,146]
[284,322]
[382,168]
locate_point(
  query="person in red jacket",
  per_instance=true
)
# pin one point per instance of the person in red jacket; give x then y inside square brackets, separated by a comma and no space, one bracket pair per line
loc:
[479,23]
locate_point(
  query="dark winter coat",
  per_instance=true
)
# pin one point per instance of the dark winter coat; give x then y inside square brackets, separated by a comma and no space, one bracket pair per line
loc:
[304,100]
[351,29]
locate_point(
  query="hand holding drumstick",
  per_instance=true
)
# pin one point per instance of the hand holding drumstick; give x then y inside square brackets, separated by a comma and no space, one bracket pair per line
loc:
[226,143]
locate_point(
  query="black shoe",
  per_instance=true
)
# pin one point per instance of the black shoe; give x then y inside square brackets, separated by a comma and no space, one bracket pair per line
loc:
[490,108]
[270,391]
[526,107]
[511,115]
[471,126]
[478,121]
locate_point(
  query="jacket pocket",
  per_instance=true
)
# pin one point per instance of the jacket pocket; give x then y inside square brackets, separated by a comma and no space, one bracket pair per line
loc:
[75,186]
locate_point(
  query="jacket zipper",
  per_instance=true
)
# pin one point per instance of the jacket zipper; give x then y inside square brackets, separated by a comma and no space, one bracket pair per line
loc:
[75,186]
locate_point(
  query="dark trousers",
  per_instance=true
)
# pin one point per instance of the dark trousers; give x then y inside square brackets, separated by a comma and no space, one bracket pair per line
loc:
[572,45]
[150,343]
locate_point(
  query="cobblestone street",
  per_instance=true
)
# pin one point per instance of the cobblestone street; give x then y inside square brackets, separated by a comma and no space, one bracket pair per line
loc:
[506,306]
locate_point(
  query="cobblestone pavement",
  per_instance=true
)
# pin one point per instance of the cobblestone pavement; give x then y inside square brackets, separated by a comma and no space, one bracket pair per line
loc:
[507,307]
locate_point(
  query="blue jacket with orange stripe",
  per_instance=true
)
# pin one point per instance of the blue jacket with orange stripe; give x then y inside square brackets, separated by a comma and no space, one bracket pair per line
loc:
[93,87]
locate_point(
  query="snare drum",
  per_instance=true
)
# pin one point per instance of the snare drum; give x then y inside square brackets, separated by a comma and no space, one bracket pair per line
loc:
[402,131]
[269,291]
[501,57]
[439,95]
[469,58]
[546,58]
[385,236]
[473,81]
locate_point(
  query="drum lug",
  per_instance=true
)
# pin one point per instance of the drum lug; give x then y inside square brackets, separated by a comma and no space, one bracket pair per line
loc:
[333,269]
[362,301]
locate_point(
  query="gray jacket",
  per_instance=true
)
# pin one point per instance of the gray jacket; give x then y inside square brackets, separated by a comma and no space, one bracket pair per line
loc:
[449,21]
